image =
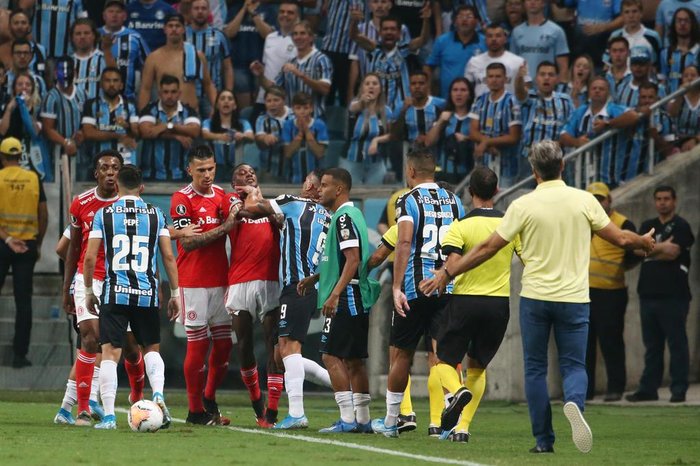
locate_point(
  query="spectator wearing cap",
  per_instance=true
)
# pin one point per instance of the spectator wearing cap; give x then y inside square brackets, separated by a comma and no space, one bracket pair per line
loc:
[627,93]
[147,17]
[664,299]
[608,294]
[128,48]
[180,59]
[23,220]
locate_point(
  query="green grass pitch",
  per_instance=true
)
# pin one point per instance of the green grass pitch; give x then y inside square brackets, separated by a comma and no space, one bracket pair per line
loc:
[500,435]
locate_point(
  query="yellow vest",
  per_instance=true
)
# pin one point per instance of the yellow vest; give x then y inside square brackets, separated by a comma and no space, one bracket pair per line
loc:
[391,213]
[19,202]
[607,261]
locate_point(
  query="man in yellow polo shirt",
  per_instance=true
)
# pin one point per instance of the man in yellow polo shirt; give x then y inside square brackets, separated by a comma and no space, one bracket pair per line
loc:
[555,224]
[23,220]
[478,311]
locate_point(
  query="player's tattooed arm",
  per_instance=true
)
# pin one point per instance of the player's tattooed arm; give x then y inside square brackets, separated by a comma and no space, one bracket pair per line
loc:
[190,243]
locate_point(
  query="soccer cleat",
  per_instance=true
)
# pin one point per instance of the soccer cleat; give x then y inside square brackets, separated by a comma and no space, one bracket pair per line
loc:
[271,416]
[262,422]
[451,414]
[378,427]
[365,428]
[64,417]
[259,407]
[446,434]
[109,422]
[406,422]
[340,427]
[462,437]
[96,411]
[291,423]
[160,401]
[541,449]
[212,408]
[200,419]
[434,431]
[84,419]
[580,432]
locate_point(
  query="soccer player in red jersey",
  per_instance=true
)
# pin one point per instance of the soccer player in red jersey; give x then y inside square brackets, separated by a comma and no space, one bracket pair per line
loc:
[82,210]
[253,294]
[202,265]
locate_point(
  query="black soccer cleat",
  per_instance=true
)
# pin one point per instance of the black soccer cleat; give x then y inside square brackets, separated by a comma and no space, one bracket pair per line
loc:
[540,449]
[212,407]
[200,419]
[271,416]
[434,431]
[451,414]
[259,407]
[406,423]
[461,437]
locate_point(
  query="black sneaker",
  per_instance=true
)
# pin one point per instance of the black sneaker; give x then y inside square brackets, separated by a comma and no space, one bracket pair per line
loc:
[434,431]
[18,362]
[259,407]
[461,437]
[641,396]
[612,396]
[541,449]
[406,423]
[201,419]
[450,416]
[271,416]
[677,398]
[212,407]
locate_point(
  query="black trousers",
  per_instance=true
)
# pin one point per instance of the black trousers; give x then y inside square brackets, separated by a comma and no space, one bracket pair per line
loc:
[607,324]
[663,320]
[22,279]
[341,78]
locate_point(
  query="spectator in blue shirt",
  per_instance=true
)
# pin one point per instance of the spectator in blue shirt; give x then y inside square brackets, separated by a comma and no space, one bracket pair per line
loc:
[683,48]
[665,15]
[686,111]
[147,17]
[305,139]
[595,20]
[419,112]
[580,76]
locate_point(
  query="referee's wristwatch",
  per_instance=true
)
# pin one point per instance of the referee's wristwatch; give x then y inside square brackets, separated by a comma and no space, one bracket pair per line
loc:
[170,125]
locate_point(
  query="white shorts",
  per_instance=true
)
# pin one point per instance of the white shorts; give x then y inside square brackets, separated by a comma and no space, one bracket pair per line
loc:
[81,312]
[257,298]
[204,306]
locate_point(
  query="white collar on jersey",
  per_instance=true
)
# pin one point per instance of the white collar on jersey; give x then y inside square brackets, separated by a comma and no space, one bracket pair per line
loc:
[130,198]
[428,185]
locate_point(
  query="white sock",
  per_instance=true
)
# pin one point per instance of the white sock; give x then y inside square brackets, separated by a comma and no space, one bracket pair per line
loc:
[155,369]
[108,385]
[361,402]
[70,397]
[315,373]
[393,407]
[294,383]
[448,398]
[95,387]
[347,411]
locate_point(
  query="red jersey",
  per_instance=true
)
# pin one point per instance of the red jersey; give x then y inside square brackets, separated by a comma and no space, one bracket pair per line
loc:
[82,211]
[204,267]
[255,250]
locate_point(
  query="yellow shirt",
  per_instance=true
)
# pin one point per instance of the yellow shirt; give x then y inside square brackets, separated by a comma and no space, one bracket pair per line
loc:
[391,237]
[555,223]
[492,278]
[19,202]
[391,217]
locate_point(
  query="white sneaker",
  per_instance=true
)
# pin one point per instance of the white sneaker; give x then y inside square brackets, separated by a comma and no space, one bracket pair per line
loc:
[580,432]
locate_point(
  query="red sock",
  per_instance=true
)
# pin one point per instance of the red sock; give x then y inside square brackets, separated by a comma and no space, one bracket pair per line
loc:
[218,359]
[250,379]
[197,347]
[137,377]
[84,368]
[275,385]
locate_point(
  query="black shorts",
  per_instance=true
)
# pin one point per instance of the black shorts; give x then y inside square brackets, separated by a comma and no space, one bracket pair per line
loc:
[296,312]
[423,318]
[74,323]
[344,335]
[114,319]
[473,325]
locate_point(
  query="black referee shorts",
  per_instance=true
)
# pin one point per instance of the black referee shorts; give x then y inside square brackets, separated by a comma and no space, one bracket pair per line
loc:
[473,325]
[296,312]
[423,318]
[115,318]
[344,335]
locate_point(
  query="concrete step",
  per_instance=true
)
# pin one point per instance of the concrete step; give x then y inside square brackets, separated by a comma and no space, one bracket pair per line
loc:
[35,378]
[45,284]
[41,306]
[41,354]
[43,330]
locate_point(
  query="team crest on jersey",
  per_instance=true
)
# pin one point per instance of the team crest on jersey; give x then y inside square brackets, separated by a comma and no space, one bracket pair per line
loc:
[191,315]
[80,310]
[180,209]
[345,233]
[160,14]
[398,212]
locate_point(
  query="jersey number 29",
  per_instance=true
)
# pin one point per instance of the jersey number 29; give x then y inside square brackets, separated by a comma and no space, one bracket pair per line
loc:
[432,241]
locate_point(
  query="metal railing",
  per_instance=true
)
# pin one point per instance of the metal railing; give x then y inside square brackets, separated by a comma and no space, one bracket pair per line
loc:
[588,165]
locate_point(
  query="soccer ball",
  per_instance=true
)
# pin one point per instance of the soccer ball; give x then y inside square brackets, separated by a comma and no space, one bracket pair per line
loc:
[145,416]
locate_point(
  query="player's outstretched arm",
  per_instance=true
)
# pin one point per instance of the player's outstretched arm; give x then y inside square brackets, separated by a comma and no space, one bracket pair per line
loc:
[168,258]
[627,239]
[378,256]
[190,243]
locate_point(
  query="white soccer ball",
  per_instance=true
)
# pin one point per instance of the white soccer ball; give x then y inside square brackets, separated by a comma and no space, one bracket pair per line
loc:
[145,416]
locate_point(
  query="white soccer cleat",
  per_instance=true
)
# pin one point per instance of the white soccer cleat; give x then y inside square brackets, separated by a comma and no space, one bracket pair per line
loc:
[580,432]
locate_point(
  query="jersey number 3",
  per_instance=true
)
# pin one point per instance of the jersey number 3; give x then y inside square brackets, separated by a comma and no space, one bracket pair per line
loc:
[137,246]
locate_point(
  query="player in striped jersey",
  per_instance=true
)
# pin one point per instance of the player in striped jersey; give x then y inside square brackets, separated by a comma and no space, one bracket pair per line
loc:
[20,27]
[215,47]
[147,17]
[21,59]
[641,66]
[52,18]
[129,49]
[310,71]
[419,112]
[683,48]
[109,120]
[305,139]
[89,60]
[304,232]
[686,112]
[423,215]
[544,111]
[268,134]
[61,110]
[496,127]
[132,234]
[591,119]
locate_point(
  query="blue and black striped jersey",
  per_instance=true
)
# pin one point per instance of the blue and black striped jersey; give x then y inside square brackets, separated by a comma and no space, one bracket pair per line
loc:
[317,66]
[65,109]
[688,120]
[543,117]
[52,20]
[130,51]
[672,63]
[88,72]
[215,47]
[418,121]
[98,113]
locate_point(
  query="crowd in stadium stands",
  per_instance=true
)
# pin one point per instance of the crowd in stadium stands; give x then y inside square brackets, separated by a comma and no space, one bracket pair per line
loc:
[295,85]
